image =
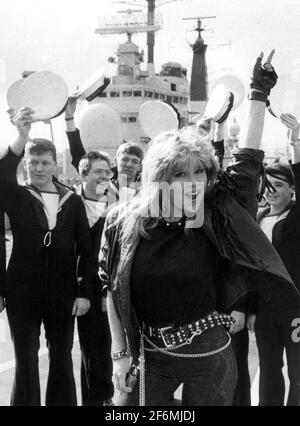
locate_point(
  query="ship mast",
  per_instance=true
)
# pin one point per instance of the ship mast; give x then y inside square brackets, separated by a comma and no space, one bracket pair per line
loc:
[199,80]
[151,34]
[151,19]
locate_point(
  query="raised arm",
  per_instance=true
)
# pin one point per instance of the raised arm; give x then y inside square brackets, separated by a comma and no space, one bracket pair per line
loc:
[245,171]
[219,142]
[10,161]
[293,126]
[8,181]
[76,146]
[263,79]
[217,131]
[22,121]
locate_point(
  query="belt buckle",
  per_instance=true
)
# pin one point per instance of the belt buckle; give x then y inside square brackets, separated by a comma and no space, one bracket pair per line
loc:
[164,337]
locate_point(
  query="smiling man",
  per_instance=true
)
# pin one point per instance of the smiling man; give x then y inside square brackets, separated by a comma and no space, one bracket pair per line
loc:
[98,193]
[279,196]
[129,156]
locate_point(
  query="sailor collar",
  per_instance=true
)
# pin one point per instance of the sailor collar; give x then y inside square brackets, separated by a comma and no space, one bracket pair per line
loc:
[63,192]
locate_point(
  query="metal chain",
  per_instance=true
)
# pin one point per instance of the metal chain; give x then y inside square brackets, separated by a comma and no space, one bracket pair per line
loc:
[201,355]
[142,397]
[142,390]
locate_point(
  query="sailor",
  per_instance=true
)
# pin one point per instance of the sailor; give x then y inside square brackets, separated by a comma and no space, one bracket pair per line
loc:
[276,322]
[48,276]
[95,172]
[129,156]
[98,193]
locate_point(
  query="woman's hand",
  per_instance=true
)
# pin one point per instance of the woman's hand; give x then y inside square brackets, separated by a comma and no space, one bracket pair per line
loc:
[121,369]
[239,323]
[264,77]
[293,125]
[81,306]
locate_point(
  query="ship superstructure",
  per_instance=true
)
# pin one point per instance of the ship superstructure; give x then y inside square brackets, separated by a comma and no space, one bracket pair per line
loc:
[132,86]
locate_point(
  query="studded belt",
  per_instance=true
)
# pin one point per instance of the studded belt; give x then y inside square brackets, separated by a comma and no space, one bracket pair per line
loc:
[177,335]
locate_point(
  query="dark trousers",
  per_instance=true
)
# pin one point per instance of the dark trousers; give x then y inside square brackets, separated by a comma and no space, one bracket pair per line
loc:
[240,346]
[96,363]
[274,333]
[207,381]
[25,316]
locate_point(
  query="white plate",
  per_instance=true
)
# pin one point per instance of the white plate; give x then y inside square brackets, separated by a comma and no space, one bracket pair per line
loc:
[13,95]
[45,92]
[91,84]
[157,117]
[217,103]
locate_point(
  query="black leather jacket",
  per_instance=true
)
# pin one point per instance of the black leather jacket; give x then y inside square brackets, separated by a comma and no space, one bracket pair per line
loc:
[252,262]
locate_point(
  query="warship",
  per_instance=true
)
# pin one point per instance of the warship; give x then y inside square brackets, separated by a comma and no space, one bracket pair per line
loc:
[132,86]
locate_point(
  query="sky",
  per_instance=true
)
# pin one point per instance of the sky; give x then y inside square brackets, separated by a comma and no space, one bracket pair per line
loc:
[59,35]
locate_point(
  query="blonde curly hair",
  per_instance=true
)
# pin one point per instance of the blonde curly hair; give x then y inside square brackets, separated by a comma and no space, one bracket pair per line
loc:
[168,152]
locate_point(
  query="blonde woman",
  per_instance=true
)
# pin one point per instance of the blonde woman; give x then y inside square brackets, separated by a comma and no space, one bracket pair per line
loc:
[173,258]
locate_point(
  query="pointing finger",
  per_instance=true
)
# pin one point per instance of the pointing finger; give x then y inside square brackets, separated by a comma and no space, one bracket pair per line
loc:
[270,57]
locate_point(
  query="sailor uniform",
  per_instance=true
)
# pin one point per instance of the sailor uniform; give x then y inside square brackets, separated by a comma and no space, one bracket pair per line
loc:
[43,278]
[275,321]
[93,328]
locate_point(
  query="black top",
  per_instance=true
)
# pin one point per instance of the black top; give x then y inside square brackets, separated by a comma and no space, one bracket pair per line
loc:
[174,276]
[96,234]
[77,152]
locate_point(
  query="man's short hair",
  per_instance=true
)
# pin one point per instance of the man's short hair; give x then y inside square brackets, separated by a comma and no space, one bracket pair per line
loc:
[281,171]
[130,148]
[39,147]
[87,160]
